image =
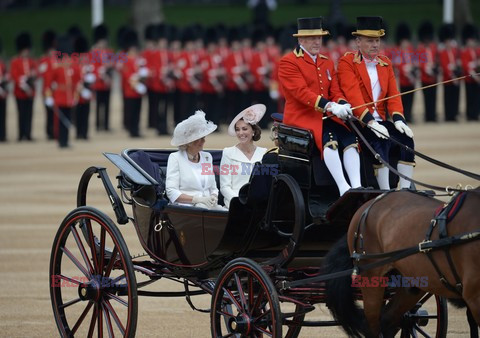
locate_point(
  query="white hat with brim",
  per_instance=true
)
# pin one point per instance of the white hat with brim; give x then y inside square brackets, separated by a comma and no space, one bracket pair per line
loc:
[251,115]
[192,129]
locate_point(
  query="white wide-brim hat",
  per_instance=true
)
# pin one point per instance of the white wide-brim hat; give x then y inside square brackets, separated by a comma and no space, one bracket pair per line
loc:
[251,115]
[192,129]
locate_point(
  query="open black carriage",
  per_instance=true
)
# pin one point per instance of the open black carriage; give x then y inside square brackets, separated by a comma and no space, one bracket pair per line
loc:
[277,231]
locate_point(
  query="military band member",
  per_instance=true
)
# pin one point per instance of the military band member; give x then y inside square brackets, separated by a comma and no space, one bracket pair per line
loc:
[150,54]
[23,72]
[103,62]
[87,79]
[428,64]
[405,62]
[45,66]
[471,66]
[450,68]
[4,79]
[134,74]
[309,83]
[365,76]
[63,87]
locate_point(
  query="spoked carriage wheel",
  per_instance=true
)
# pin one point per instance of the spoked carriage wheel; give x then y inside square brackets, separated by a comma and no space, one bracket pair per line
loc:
[245,302]
[429,318]
[92,282]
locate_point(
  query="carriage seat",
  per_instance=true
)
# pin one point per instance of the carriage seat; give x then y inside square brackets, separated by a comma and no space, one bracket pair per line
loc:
[154,163]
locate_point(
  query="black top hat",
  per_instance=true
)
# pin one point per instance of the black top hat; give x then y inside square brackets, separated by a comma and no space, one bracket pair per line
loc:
[23,41]
[469,31]
[402,32]
[370,26]
[100,32]
[310,27]
[48,40]
[426,32]
[446,32]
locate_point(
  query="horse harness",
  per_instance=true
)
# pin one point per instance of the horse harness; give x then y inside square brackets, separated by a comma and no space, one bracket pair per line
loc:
[440,220]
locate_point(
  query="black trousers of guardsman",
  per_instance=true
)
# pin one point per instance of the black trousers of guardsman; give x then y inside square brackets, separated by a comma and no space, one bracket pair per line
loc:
[407,102]
[473,101]
[451,96]
[3,120]
[62,122]
[82,115]
[430,103]
[25,115]
[102,109]
[132,110]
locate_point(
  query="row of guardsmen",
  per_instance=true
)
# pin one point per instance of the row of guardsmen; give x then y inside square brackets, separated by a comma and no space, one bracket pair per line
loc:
[218,69]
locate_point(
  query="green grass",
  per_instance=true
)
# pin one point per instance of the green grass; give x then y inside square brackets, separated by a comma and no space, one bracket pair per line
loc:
[59,19]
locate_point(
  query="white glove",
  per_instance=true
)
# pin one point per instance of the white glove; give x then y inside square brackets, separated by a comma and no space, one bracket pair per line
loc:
[205,200]
[338,110]
[379,130]
[86,94]
[49,101]
[89,78]
[403,128]
[348,106]
[143,72]
[141,88]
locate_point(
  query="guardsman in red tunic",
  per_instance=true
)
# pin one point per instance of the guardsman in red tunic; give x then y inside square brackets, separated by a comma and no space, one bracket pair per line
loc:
[4,79]
[213,77]
[404,61]
[45,66]
[134,75]
[449,58]
[23,71]
[63,87]
[365,77]
[87,75]
[151,56]
[309,83]
[471,66]
[103,61]
[261,68]
[428,64]
[236,85]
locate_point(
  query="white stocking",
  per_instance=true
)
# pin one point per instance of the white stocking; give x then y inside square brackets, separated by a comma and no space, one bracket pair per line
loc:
[351,161]
[334,165]
[406,170]
[383,178]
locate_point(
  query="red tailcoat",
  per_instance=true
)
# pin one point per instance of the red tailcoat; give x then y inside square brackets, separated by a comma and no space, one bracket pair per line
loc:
[129,72]
[308,86]
[22,68]
[355,83]
[260,68]
[45,67]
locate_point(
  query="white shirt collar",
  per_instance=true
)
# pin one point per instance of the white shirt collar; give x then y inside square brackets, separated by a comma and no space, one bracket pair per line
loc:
[314,57]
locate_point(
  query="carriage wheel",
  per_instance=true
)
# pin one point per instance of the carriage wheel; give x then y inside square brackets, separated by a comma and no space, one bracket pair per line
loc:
[92,283]
[429,318]
[298,318]
[245,302]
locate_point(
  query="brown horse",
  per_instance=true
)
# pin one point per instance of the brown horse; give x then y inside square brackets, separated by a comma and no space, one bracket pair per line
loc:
[396,221]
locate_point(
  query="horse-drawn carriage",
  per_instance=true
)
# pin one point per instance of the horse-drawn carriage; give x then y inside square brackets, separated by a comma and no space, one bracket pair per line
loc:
[261,261]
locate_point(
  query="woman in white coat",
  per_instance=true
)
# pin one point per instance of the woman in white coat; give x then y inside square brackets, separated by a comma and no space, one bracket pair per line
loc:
[238,161]
[188,181]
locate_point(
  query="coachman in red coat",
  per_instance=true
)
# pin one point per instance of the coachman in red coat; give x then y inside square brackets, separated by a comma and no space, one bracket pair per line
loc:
[309,83]
[366,77]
